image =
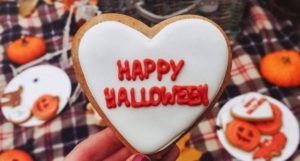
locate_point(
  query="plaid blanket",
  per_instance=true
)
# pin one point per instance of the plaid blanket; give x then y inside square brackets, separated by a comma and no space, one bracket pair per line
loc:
[260,34]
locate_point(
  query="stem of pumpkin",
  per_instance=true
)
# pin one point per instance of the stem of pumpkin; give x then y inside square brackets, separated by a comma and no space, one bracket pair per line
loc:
[23,38]
[286,60]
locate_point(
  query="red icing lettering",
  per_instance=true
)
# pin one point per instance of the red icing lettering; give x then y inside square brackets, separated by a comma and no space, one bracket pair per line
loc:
[122,97]
[143,98]
[247,104]
[163,67]
[134,103]
[123,70]
[167,97]
[182,95]
[204,93]
[176,68]
[194,95]
[137,70]
[149,67]
[258,104]
[155,91]
[110,98]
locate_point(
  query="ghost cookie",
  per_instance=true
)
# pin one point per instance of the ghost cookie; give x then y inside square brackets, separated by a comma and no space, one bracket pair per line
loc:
[19,115]
[151,85]
[253,107]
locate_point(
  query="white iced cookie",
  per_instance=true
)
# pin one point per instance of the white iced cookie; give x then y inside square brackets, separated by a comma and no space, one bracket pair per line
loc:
[19,115]
[151,85]
[253,107]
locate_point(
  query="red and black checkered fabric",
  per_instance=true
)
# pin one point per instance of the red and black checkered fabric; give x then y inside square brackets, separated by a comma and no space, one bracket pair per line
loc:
[260,33]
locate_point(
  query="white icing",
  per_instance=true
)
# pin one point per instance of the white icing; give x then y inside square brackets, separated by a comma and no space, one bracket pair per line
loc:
[199,43]
[264,111]
[19,114]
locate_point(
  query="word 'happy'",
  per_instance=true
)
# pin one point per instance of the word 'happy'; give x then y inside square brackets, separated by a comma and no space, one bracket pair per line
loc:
[191,95]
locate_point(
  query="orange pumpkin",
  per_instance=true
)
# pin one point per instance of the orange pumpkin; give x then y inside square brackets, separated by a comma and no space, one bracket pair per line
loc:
[243,135]
[281,68]
[26,49]
[15,155]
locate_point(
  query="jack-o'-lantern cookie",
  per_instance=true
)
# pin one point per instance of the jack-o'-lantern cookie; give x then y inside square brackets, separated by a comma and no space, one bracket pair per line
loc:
[15,155]
[151,84]
[45,107]
[243,135]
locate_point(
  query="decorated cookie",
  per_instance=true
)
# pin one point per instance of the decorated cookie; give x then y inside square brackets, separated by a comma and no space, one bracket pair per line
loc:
[45,107]
[151,85]
[253,107]
[273,126]
[32,83]
[243,135]
[271,148]
[15,155]
[19,115]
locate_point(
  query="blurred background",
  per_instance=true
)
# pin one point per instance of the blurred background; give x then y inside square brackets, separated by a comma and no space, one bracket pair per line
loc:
[43,30]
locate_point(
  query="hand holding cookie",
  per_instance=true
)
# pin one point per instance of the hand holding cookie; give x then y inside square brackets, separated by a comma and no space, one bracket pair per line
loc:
[110,148]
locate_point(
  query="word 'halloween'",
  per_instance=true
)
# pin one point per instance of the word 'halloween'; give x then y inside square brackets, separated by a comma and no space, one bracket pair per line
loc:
[182,95]
[191,95]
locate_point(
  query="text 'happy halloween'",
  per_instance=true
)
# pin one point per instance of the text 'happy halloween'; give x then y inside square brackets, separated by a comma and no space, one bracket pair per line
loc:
[191,95]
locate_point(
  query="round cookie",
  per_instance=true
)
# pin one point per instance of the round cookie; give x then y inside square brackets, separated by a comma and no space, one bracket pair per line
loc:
[15,155]
[242,135]
[45,107]
[151,85]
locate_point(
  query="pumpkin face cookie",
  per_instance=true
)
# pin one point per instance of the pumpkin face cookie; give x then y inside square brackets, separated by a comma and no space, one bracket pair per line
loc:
[242,135]
[15,155]
[45,107]
[151,85]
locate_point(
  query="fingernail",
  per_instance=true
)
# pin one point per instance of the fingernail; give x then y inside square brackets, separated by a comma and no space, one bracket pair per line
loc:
[141,157]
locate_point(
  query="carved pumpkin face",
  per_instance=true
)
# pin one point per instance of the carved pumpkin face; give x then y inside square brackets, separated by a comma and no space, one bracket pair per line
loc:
[242,135]
[45,107]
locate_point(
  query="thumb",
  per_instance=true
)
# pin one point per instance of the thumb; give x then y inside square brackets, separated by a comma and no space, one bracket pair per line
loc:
[138,157]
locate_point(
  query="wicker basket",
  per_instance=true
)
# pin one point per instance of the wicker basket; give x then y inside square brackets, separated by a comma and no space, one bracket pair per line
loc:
[227,13]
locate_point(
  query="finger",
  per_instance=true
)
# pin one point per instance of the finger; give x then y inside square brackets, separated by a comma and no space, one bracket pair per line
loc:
[120,155]
[96,147]
[172,154]
[138,157]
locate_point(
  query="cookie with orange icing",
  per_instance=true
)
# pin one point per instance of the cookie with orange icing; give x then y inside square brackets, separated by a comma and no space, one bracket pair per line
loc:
[243,135]
[45,107]
[271,148]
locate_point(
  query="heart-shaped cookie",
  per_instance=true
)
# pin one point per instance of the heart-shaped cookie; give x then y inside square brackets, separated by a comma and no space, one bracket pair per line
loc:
[151,85]
[253,107]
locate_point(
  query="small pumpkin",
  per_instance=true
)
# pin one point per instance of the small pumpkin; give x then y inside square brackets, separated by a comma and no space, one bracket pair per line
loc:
[243,135]
[281,68]
[26,49]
